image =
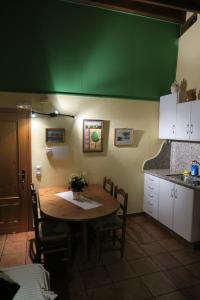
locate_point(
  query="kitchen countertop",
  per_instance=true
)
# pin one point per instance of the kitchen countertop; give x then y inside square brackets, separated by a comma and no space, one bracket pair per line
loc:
[162,173]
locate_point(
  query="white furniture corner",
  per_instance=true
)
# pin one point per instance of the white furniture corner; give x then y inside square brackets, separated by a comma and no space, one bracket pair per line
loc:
[33,280]
[174,205]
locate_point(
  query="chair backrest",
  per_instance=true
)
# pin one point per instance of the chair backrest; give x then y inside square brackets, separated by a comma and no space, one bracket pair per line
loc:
[122,197]
[108,185]
[35,213]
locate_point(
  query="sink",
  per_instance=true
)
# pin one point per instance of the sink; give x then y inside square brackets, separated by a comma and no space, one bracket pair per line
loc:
[193,180]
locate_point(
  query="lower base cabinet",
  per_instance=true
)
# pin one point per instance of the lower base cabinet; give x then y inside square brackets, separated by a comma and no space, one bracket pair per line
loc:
[178,208]
[166,203]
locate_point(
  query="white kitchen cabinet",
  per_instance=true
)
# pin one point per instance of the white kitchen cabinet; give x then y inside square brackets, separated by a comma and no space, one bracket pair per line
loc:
[195,121]
[173,205]
[166,203]
[183,121]
[167,123]
[187,213]
[179,121]
[151,194]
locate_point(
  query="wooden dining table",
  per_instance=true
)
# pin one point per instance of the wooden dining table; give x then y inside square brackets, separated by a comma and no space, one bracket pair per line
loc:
[58,208]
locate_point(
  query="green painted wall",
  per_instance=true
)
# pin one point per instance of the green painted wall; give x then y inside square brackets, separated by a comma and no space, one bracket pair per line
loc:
[54,46]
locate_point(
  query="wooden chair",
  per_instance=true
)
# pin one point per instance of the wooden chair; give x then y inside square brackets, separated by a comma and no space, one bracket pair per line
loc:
[108,185]
[50,236]
[114,226]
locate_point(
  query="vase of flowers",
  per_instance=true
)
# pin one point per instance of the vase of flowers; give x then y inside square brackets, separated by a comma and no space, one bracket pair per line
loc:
[76,184]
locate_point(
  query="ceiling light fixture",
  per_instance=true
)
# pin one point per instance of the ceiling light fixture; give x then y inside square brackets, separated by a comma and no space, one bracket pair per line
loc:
[52,114]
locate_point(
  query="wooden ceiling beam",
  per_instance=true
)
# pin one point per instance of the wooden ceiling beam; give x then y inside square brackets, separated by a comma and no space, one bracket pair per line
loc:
[137,7]
[183,5]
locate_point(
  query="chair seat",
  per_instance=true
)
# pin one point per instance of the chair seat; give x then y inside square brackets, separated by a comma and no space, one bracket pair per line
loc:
[105,223]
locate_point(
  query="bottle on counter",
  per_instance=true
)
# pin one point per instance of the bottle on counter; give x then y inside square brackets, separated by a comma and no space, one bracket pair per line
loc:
[195,168]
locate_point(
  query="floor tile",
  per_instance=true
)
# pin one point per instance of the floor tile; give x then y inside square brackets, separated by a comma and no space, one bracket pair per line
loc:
[139,236]
[120,271]
[17,236]
[77,296]
[2,243]
[192,293]
[153,248]
[103,293]
[95,278]
[14,246]
[181,277]
[133,251]
[172,296]
[132,289]
[166,261]
[186,256]
[75,283]
[11,260]
[194,269]
[144,266]
[2,237]
[138,219]
[111,257]
[158,283]
[172,244]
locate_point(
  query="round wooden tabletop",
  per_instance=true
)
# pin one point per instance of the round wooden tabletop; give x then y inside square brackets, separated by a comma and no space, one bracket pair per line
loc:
[59,208]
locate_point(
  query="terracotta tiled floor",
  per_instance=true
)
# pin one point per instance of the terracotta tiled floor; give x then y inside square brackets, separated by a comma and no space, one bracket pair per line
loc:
[157,265]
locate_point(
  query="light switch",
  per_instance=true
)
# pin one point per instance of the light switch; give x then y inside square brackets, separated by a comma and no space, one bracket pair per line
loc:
[38,170]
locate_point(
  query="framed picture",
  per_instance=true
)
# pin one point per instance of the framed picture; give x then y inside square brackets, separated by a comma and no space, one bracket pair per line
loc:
[123,136]
[92,135]
[55,135]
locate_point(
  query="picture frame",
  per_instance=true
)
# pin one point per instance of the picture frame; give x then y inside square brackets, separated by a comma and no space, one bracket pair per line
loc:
[92,135]
[55,135]
[123,136]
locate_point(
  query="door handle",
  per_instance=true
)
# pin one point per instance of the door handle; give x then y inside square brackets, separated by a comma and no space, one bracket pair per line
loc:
[21,176]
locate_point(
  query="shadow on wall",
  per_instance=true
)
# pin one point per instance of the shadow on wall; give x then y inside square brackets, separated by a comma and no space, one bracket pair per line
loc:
[137,136]
[57,155]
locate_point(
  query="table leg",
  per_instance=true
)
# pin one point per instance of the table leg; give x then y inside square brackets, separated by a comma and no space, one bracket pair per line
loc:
[85,238]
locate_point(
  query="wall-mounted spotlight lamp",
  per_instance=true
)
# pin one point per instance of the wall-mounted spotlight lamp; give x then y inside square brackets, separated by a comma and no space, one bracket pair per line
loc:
[52,114]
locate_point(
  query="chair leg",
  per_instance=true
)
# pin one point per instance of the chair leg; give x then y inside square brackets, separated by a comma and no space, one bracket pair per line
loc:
[97,245]
[123,242]
[114,237]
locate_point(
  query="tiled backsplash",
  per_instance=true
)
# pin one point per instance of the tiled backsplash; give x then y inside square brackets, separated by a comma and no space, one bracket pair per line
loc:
[182,155]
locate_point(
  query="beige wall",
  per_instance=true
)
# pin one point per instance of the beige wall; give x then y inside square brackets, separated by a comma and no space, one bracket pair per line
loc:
[188,65]
[123,165]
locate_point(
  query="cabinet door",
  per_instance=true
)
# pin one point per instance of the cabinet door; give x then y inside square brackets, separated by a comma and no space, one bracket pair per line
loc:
[183,211]
[167,123]
[195,121]
[183,121]
[166,203]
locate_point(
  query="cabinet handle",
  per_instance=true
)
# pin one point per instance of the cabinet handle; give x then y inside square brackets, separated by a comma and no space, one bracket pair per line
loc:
[191,128]
[175,193]
[173,129]
[151,196]
[151,188]
[187,129]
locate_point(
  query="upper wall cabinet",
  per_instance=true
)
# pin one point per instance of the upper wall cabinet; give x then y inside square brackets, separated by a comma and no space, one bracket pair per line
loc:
[179,121]
[167,126]
[188,122]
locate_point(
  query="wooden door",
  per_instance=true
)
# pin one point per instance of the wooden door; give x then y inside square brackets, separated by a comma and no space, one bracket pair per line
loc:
[15,170]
